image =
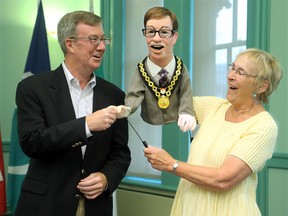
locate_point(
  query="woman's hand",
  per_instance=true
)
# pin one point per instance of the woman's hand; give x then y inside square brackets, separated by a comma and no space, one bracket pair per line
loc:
[159,158]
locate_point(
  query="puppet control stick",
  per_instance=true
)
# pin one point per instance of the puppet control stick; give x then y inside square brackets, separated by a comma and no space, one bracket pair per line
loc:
[144,142]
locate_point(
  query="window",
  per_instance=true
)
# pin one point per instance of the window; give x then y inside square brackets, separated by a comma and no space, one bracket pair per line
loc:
[218,38]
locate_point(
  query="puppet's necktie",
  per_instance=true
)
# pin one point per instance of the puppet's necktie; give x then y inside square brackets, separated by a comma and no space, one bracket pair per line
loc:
[164,80]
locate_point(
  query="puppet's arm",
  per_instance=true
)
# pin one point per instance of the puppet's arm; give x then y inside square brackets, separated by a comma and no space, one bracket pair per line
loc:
[134,97]
[186,120]
[135,94]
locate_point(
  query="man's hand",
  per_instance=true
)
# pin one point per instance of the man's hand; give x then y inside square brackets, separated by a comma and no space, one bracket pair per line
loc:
[186,122]
[93,185]
[101,119]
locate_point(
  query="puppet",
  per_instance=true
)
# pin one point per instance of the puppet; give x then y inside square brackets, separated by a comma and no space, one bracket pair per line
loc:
[161,103]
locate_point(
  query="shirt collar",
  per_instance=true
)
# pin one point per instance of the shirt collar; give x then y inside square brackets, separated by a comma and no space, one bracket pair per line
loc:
[154,69]
[71,79]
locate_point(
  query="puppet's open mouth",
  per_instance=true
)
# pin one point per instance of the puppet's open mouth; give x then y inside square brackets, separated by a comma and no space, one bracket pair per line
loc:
[157,47]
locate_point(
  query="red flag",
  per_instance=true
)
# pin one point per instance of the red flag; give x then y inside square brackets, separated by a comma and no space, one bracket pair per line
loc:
[2,182]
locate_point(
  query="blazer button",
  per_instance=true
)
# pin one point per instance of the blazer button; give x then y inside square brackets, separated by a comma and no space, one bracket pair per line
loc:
[78,196]
[83,171]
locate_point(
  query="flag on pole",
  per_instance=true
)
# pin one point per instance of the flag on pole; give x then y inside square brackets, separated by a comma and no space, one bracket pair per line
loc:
[3,204]
[38,57]
[37,61]
[18,165]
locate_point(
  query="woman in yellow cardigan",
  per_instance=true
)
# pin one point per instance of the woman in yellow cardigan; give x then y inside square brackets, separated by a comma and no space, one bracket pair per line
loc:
[235,139]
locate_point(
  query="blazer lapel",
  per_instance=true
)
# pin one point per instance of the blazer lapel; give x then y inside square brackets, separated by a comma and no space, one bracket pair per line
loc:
[99,95]
[60,96]
[100,101]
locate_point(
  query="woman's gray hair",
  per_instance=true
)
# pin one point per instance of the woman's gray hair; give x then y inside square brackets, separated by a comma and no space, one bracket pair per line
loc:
[268,69]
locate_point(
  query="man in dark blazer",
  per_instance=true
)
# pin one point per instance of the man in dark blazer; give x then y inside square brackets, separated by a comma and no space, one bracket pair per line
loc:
[68,126]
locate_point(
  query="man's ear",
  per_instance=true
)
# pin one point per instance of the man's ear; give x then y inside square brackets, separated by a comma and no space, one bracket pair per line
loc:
[263,87]
[69,45]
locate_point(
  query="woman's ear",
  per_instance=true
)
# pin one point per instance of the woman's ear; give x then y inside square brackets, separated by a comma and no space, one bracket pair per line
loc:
[262,87]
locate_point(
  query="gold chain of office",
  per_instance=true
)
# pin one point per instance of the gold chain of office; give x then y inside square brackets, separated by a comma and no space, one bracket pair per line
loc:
[162,94]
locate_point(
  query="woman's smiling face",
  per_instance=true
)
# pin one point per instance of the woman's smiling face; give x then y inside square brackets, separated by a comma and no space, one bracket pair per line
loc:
[241,89]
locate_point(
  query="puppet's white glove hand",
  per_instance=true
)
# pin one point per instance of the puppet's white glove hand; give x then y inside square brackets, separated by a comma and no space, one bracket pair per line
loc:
[123,111]
[186,122]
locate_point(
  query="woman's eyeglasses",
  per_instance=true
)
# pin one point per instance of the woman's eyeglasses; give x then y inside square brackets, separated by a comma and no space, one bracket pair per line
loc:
[240,72]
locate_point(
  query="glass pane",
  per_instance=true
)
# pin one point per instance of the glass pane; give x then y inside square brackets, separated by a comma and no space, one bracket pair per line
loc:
[152,134]
[224,24]
[242,20]
[221,70]
[236,51]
